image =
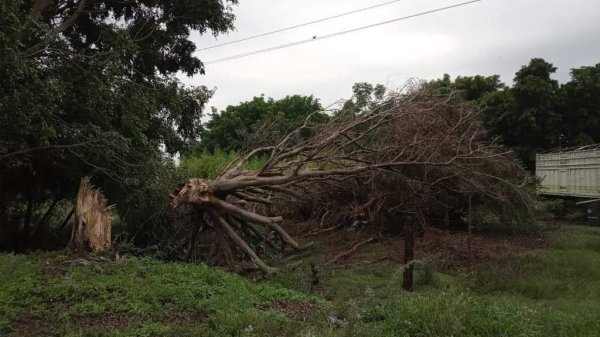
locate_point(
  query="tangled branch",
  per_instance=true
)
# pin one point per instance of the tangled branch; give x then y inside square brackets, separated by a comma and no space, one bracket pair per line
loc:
[429,144]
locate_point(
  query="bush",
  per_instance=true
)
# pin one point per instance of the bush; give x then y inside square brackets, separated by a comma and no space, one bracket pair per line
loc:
[559,208]
[208,165]
[490,217]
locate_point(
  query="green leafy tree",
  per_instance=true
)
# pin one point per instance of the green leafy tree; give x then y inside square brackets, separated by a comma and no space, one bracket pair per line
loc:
[231,129]
[527,116]
[581,111]
[89,87]
[364,96]
[472,88]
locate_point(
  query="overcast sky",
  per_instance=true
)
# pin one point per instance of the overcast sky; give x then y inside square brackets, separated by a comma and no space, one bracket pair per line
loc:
[488,37]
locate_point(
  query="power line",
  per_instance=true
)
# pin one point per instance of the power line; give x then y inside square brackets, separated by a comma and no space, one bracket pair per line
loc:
[316,38]
[300,25]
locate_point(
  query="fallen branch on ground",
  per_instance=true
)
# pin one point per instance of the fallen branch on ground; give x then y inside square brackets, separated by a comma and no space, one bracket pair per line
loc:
[351,251]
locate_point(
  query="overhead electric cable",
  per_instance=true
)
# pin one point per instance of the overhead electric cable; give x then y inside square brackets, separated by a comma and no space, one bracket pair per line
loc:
[316,38]
[300,25]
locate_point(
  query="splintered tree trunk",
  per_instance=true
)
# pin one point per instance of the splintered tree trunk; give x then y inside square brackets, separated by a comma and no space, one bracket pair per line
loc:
[93,222]
[409,256]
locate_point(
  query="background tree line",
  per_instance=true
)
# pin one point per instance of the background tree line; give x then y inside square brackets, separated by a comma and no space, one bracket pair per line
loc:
[536,113]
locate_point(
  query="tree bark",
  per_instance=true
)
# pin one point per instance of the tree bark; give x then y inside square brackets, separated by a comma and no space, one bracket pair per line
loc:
[241,243]
[192,243]
[66,220]
[68,22]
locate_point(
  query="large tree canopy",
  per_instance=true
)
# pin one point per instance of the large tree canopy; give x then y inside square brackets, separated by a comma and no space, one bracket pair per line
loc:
[581,112]
[527,116]
[230,129]
[472,88]
[89,87]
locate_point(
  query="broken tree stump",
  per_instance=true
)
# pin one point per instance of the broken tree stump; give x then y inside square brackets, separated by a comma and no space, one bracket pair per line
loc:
[93,221]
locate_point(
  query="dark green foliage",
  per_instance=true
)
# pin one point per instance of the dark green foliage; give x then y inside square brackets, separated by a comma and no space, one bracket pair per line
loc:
[232,128]
[559,208]
[526,117]
[471,88]
[364,96]
[536,113]
[96,97]
[489,217]
[581,112]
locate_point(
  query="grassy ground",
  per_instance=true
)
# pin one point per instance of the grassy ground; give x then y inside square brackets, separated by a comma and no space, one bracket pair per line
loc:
[548,292]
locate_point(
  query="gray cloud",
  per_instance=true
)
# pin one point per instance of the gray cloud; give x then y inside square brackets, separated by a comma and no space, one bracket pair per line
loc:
[490,37]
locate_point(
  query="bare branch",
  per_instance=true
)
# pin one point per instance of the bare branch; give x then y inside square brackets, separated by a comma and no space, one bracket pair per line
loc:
[41,148]
[38,47]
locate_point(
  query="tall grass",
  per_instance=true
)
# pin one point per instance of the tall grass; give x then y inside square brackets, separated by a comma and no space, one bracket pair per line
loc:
[208,165]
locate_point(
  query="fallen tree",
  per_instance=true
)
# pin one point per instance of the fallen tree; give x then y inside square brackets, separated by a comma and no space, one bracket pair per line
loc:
[427,146]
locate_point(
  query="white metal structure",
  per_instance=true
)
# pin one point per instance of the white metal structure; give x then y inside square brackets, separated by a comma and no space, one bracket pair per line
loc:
[571,172]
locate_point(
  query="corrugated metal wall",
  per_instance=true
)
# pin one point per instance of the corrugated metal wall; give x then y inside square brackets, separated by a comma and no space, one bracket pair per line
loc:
[570,173]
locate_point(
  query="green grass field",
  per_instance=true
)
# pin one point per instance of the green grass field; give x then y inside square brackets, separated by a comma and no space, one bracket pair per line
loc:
[549,292]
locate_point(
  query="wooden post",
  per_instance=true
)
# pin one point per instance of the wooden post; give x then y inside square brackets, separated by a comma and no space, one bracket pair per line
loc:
[409,255]
[469,234]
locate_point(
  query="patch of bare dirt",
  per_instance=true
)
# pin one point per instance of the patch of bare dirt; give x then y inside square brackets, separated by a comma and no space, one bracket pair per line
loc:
[450,250]
[184,318]
[447,249]
[295,310]
[112,321]
[108,321]
[28,325]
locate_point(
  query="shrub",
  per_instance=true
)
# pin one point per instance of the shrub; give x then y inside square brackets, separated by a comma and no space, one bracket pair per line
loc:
[208,165]
[559,208]
[488,217]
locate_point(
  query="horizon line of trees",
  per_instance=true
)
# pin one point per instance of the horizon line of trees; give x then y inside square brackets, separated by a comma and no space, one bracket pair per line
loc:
[535,114]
